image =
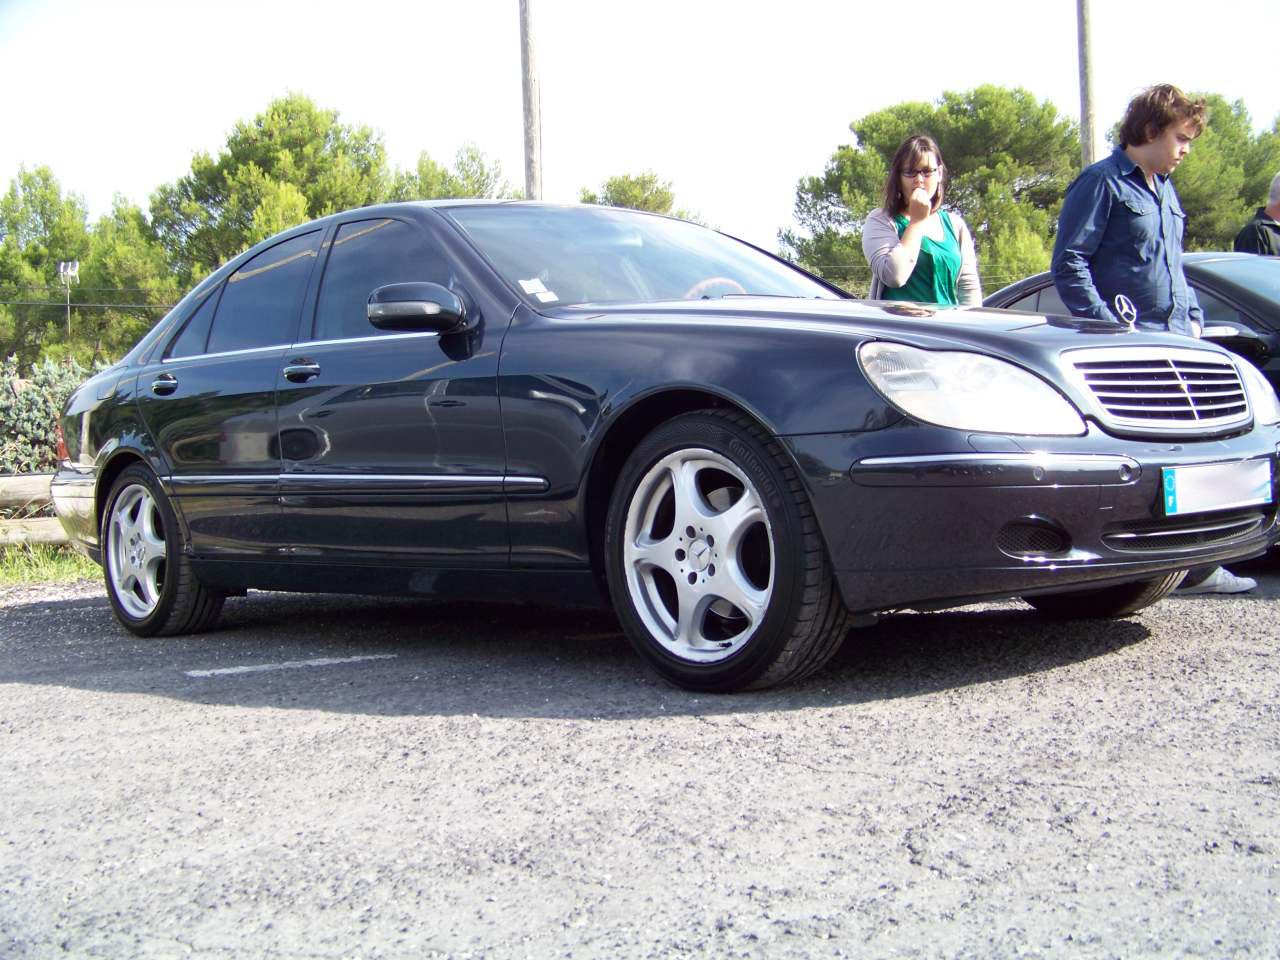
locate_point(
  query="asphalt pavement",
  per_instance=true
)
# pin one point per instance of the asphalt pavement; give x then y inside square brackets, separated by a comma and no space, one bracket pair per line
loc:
[355,777]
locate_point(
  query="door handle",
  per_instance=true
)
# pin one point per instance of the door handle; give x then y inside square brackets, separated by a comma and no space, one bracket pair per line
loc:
[164,384]
[301,371]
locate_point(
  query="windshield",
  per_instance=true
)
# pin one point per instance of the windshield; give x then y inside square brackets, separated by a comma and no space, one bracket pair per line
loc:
[1261,275]
[569,255]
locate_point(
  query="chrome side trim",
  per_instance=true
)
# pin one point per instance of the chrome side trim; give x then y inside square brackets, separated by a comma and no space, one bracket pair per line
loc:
[416,335]
[428,480]
[1044,458]
[433,479]
[222,478]
[997,470]
[281,347]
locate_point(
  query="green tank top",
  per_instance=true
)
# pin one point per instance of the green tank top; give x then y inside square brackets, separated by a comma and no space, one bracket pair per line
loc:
[937,268]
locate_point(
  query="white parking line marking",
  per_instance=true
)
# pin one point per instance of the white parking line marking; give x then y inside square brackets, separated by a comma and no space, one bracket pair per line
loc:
[289,665]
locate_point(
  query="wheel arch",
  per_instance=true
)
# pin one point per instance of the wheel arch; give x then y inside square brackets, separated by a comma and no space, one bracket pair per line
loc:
[119,462]
[621,437]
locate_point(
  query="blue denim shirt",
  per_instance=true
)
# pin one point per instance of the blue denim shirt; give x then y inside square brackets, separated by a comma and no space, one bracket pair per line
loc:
[1116,236]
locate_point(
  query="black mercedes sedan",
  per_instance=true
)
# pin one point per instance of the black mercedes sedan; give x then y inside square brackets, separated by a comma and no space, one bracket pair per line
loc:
[1238,292]
[503,399]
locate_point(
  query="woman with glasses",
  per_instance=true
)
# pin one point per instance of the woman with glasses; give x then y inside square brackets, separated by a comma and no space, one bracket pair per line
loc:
[917,250]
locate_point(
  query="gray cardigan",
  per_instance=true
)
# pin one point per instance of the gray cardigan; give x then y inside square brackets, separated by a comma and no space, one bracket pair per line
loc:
[891,263]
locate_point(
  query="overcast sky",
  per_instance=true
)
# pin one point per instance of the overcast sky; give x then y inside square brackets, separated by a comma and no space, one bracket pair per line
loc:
[731,100]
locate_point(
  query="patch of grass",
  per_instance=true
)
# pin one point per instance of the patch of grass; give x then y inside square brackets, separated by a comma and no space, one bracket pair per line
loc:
[44,563]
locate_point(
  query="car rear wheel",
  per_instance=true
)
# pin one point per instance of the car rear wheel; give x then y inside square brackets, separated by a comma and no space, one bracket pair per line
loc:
[1108,602]
[149,578]
[714,559]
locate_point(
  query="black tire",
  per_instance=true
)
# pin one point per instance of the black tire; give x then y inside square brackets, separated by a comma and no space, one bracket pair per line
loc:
[788,618]
[1108,602]
[144,561]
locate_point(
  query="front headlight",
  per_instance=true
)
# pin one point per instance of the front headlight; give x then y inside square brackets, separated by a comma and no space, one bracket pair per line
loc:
[1262,398]
[967,391]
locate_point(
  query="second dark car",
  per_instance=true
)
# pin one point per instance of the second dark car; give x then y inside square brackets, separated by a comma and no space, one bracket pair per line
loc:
[1238,292]
[501,399]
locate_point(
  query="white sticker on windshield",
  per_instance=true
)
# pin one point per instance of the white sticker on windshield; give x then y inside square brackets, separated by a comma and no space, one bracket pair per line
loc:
[533,286]
[547,296]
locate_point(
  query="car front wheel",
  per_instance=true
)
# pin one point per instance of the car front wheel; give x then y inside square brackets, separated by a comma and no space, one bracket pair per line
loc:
[714,559]
[149,578]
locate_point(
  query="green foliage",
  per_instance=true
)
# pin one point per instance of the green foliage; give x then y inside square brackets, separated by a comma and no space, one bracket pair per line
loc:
[29,413]
[292,162]
[123,273]
[1009,159]
[1017,242]
[1225,177]
[126,266]
[473,175]
[44,563]
[38,227]
[642,191]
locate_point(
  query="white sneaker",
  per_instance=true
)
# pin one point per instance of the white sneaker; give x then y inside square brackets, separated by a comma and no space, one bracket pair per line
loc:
[1220,581]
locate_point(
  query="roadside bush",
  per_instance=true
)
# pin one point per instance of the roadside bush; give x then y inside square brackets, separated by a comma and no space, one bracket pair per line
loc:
[29,411]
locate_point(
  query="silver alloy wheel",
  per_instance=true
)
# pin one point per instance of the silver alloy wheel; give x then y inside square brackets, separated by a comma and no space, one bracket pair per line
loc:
[136,551]
[698,555]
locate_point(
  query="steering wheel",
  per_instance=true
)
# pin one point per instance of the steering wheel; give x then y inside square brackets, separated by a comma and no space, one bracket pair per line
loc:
[702,286]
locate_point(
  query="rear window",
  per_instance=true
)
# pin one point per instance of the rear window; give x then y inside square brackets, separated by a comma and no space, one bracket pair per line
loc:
[262,300]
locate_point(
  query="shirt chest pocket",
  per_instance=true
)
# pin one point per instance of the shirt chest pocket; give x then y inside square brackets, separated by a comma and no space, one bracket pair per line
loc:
[1177,225]
[1141,223]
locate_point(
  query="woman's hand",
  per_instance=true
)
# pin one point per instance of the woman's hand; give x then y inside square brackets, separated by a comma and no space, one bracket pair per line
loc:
[919,205]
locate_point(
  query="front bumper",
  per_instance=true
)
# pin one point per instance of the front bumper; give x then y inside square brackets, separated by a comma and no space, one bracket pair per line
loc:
[927,517]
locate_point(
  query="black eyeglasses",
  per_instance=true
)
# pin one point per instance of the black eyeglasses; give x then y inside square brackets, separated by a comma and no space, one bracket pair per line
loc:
[925,172]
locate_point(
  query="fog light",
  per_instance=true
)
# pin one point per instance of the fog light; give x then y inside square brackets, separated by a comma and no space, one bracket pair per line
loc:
[1032,537]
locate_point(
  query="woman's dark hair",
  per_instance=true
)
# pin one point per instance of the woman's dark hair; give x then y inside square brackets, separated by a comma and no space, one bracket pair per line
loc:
[908,155]
[1154,109]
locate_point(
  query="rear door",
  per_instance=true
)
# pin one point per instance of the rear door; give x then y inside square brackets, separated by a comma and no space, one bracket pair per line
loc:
[209,401]
[391,442]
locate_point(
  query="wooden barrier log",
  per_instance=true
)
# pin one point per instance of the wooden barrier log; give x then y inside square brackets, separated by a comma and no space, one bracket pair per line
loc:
[48,530]
[23,489]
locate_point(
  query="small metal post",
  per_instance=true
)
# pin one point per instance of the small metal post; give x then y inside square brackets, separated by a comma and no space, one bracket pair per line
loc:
[68,273]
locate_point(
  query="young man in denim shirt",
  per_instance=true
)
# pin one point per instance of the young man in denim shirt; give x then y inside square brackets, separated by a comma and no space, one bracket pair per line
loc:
[1120,242]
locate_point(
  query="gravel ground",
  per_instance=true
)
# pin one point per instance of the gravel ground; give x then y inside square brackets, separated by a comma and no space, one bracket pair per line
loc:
[510,782]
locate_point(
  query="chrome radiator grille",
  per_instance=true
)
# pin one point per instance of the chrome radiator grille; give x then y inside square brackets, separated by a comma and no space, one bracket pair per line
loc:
[1164,390]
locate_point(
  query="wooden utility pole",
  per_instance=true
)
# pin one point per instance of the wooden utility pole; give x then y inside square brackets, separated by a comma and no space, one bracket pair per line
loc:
[532,109]
[1090,142]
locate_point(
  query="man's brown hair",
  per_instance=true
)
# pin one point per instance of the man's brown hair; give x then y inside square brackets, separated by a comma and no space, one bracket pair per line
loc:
[1151,111]
[908,155]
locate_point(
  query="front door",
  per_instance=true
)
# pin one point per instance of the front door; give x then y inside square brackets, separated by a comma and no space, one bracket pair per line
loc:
[391,442]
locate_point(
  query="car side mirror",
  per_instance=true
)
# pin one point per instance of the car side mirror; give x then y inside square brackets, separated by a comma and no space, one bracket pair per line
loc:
[1226,331]
[1239,339]
[417,306]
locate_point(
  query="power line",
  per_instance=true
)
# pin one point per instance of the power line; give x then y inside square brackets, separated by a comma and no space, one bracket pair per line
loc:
[74,304]
[20,289]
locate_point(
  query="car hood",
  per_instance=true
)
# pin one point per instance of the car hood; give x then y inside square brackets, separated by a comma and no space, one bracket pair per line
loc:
[1002,332]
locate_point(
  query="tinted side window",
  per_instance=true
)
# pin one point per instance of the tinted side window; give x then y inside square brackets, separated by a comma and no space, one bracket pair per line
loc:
[1025,304]
[1051,302]
[1215,311]
[261,302]
[195,332]
[368,254]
